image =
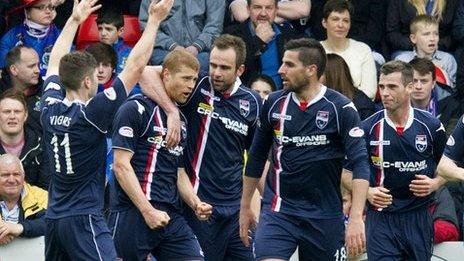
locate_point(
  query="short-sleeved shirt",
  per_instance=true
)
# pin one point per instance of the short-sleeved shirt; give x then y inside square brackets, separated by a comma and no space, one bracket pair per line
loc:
[74,140]
[220,129]
[397,155]
[140,127]
[309,143]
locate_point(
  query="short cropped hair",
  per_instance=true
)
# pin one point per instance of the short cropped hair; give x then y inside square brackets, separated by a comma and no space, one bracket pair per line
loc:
[338,6]
[74,67]
[14,95]
[406,70]
[310,52]
[111,16]
[423,66]
[103,53]
[226,41]
[14,56]
[174,61]
[420,21]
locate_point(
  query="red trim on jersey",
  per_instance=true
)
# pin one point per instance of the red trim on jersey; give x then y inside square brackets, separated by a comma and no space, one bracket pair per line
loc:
[378,172]
[152,153]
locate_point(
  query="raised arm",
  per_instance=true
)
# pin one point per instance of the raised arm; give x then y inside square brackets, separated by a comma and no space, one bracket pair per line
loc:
[141,53]
[62,46]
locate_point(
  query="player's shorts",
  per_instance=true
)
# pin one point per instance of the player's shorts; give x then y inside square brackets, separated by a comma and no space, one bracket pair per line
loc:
[399,236]
[219,236]
[83,237]
[279,234]
[134,240]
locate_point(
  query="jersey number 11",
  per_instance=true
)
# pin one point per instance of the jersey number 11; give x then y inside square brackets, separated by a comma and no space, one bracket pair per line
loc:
[67,153]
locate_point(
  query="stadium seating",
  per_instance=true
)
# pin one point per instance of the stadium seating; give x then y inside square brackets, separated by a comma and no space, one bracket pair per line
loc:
[88,31]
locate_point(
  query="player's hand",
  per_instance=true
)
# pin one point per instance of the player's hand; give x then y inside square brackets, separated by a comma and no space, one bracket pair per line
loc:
[156,218]
[192,49]
[423,185]
[355,238]
[203,210]
[159,10]
[82,9]
[379,197]
[247,222]
[265,32]
[174,129]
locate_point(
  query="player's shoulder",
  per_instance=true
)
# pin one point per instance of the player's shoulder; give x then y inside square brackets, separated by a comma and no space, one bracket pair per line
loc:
[138,102]
[427,119]
[249,94]
[339,100]
[373,120]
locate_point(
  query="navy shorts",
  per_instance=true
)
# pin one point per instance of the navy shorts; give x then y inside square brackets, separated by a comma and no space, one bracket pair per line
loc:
[399,236]
[134,240]
[83,237]
[279,234]
[219,236]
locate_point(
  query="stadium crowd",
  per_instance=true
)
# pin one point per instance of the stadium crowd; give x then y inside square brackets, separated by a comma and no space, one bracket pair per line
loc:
[232,129]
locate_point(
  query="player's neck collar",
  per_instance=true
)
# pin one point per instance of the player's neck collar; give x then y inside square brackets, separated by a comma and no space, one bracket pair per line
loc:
[316,98]
[408,122]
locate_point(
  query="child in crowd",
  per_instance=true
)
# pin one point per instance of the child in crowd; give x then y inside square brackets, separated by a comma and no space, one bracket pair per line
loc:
[425,37]
[110,29]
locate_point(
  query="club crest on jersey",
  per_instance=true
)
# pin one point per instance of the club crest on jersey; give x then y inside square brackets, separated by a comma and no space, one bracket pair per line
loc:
[322,118]
[421,143]
[244,107]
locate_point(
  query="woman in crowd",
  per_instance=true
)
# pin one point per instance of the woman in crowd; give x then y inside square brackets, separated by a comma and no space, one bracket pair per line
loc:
[262,84]
[358,55]
[337,76]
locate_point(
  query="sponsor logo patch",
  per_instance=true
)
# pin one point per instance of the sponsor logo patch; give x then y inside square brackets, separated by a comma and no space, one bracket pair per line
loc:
[450,142]
[356,132]
[110,94]
[126,131]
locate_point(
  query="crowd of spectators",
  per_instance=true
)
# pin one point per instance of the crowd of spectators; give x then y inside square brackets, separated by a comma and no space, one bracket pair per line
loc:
[358,36]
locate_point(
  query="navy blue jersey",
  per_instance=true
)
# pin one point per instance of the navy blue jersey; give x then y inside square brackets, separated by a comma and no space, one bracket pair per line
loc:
[455,145]
[308,147]
[220,129]
[396,156]
[74,139]
[140,127]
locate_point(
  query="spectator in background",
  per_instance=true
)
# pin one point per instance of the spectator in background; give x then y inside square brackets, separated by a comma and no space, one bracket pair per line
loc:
[358,56]
[289,12]
[401,12]
[37,31]
[264,40]
[445,220]
[21,72]
[337,76]
[107,60]
[427,95]
[110,29]
[17,139]
[22,206]
[191,25]
[425,38]
[262,84]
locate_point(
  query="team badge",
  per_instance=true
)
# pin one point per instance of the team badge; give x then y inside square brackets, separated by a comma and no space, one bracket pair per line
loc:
[322,118]
[421,143]
[244,107]
[356,132]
